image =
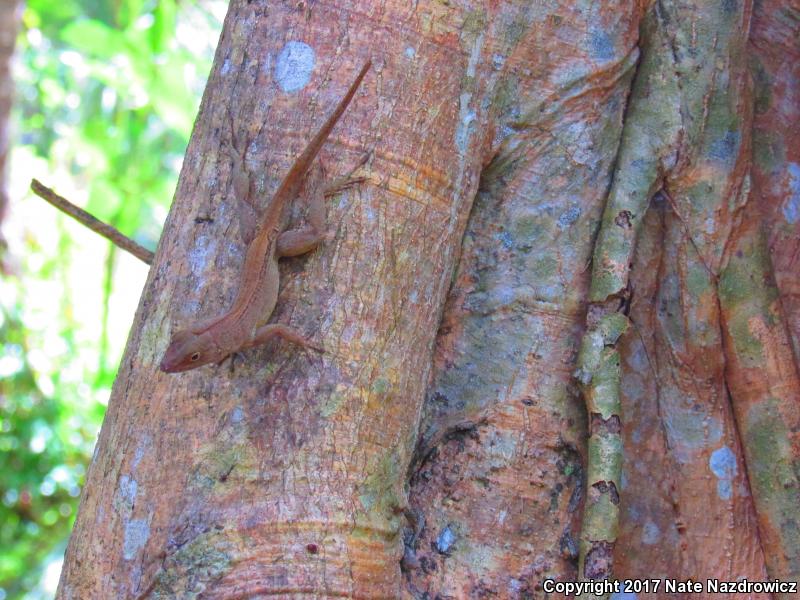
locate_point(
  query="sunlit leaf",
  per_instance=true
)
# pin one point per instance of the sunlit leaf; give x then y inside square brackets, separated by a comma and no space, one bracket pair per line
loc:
[94,38]
[106,95]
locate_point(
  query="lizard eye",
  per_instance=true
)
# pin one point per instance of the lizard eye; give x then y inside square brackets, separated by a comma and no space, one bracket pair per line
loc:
[195,356]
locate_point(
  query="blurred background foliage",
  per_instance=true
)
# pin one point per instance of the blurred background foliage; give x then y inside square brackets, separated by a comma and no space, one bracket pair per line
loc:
[106,95]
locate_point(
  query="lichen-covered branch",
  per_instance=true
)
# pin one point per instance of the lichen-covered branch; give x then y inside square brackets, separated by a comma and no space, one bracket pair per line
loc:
[686,136]
[598,375]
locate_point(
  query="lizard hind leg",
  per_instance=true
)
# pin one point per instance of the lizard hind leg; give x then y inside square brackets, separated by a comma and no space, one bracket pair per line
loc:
[295,242]
[299,241]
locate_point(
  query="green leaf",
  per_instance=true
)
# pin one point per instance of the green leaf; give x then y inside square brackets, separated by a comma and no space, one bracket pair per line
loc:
[162,31]
[172,99]
[94,38]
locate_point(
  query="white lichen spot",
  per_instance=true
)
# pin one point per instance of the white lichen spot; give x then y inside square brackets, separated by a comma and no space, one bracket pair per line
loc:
[650,533]
[138,455]
[569,217]
[475,56]
[466,118]
[410,52]
[137,532]
[791,206]
[237,415]
[445,540]
[199,255]
[466,114]
[128,489]
[294,66]
[722,463]
[226,67]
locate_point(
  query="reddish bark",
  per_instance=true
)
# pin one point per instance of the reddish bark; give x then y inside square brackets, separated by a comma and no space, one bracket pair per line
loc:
[221,483]
[289,476]
[506,479]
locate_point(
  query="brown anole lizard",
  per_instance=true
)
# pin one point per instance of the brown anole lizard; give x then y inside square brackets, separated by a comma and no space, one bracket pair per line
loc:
[244,325]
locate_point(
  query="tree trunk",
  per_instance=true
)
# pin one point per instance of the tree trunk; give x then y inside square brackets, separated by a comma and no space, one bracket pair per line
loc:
[287,476]
[612,144]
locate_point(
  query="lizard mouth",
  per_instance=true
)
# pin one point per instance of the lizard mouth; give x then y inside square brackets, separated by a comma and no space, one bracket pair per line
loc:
[169,366]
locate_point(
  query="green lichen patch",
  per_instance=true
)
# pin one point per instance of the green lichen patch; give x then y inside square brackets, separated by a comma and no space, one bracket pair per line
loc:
[198,563]
[698,280]
[769,151]
[215,467]
[746,280]
[545,268]
[769,450]
[474,23]
[605,458]
[612,327]
[775,481]
[602,522]
[762,85]
[506,97]
[748,297]
[747,346]
[527,229]
[379,495]
[332,404]
[381,386]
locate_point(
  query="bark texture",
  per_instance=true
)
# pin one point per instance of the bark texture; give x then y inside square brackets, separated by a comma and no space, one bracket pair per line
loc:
[686,139]
[682,169]
[287,477]
[615,249]
[500,484]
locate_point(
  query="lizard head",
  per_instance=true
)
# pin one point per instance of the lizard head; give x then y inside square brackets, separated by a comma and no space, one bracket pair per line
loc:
[188,350]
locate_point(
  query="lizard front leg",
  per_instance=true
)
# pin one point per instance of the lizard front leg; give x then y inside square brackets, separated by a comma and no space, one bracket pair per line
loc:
[242,189]
[347,181]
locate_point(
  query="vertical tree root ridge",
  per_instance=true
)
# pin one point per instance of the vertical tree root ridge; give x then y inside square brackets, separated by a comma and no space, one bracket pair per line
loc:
[598,376]
[673,138]
[765,389]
